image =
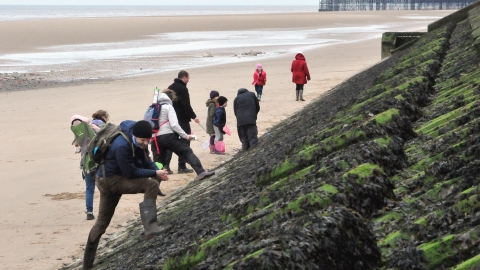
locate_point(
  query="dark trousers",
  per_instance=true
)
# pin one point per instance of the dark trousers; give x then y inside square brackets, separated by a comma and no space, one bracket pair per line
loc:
[299,87]
[248,135]
[181,161]
[111,190]
[180,147]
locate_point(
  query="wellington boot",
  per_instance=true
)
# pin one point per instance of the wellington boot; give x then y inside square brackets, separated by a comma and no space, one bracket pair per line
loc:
[90,251]
[297,94]
[301,95]
[212,149]
[259,97]
[148,214]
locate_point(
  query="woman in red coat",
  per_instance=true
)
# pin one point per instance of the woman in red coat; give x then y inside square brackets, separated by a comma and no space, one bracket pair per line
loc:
[300,74]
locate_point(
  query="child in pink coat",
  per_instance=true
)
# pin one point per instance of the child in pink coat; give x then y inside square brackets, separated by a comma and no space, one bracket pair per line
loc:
[259,80]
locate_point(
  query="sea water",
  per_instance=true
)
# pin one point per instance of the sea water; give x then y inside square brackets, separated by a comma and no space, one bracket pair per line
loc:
[173,51]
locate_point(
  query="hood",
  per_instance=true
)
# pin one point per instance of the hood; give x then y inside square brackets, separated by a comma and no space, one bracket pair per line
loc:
[299,56]
[127,126]
[241,91]
[209,101]
[177,80]
[163,98]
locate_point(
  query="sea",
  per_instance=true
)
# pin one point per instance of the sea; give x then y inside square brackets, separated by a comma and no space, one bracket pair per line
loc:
[173,51]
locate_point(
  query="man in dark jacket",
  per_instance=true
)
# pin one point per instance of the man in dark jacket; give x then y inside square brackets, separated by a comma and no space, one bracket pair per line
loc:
[246,108]
[127,170]
[184,112]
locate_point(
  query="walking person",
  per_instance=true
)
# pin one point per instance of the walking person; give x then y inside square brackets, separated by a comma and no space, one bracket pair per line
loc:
[185,114]
[128,170]
[220,120]
[259,80]
[100,118]
[211,105]
[167,136]
[246,108]
[300,74]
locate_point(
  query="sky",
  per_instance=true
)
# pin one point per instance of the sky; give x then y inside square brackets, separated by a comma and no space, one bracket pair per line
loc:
[159,2]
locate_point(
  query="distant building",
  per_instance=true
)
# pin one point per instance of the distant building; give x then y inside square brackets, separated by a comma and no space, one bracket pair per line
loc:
[353,5]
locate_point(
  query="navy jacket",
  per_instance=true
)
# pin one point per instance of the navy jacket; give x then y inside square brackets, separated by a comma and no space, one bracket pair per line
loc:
[121,161]
[220,118]
[246,107]
[182,104]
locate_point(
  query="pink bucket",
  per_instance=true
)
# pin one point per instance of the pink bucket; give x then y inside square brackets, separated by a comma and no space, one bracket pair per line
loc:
[227,130]
[220,146]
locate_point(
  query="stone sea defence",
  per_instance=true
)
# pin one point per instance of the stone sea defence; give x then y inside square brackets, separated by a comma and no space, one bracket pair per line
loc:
[381,172]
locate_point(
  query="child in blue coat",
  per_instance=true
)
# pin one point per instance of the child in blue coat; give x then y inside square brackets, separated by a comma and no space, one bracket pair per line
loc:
[220,119]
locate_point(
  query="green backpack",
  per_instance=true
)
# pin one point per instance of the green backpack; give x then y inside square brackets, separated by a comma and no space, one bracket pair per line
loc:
[83,135]
[100,143]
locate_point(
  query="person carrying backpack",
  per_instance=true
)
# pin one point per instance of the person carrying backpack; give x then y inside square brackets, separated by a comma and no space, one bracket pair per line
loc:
[124,168]
[168,134]
[82,126]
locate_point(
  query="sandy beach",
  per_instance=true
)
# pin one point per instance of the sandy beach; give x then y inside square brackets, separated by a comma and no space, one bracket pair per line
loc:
[42,220]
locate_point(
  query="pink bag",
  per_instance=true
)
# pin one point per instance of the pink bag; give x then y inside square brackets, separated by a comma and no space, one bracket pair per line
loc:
[227,130]
[220,146]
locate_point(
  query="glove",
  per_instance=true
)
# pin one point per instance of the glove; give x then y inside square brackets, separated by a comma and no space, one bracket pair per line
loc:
[77,150]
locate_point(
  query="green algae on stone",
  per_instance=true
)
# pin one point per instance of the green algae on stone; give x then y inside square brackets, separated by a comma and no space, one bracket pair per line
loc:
[362,172]
[470,264]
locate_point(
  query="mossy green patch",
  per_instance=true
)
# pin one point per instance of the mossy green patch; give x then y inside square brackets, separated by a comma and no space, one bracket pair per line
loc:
[392,216]
[386,116]
[329,188]
[470,264]
[362,172]
[391,239]
[437,251]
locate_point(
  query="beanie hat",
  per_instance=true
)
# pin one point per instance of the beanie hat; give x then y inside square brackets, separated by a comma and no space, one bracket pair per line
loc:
[142,129]
[221,100]
[259,65]
[213,94]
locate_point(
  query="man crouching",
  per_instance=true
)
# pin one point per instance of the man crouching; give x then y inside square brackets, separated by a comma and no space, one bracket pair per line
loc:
[127,169]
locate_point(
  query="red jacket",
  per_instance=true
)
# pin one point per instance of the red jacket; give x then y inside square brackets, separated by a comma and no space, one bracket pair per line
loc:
[299,69]
[259,80]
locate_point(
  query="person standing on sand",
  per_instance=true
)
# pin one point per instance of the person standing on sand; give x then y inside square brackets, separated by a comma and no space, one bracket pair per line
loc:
[211,105]
[300,74]
[100,118]
[259,80]
[185,113]
[246,108]
[220,120]
[129,170]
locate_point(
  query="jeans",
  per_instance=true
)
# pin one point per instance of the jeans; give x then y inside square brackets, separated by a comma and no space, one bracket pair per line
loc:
[299,87]
[90,190]
[259,89]
[218,134]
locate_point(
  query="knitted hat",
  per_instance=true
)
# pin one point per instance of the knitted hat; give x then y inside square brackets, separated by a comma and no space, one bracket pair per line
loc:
[213,94]
[142,129]
[221,100]
[259,65]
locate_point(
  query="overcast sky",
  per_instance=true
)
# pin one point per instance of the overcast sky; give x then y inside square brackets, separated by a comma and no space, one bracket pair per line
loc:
[159,2]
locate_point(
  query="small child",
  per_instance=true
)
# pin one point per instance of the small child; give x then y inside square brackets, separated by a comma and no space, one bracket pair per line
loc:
[259,80]
[220,120]
[211,105]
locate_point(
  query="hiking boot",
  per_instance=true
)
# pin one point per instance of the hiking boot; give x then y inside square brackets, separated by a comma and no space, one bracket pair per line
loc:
[148,214]
[168,169]
[204,175]
[90,216]
[160,193]
[185,170]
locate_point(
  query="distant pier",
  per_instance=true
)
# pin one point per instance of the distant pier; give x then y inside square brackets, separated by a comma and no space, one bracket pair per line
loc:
[356,5]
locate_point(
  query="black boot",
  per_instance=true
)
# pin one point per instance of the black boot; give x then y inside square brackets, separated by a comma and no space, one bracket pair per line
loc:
[297,94]
[167,167]
[160,193]
[148,213]
[90,251]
